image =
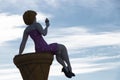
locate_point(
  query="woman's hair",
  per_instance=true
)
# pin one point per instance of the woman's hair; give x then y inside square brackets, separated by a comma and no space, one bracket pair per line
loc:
[29,17]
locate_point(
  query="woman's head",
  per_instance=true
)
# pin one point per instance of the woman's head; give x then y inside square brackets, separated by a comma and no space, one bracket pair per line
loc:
[29,17]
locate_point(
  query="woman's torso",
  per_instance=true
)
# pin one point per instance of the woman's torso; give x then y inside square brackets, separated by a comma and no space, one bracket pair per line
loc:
[39,42]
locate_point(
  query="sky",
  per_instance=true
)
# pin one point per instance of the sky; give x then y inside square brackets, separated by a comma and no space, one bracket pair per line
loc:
[90,29]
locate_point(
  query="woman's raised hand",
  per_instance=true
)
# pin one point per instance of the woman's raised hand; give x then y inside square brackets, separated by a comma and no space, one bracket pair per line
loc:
[47,22]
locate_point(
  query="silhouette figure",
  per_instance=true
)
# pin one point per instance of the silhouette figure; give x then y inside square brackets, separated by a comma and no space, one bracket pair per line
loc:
[36,32]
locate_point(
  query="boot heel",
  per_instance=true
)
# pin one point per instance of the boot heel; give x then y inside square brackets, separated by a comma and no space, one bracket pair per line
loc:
[67,74]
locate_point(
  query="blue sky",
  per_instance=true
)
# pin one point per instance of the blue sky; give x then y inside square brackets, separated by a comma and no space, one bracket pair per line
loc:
[90,29]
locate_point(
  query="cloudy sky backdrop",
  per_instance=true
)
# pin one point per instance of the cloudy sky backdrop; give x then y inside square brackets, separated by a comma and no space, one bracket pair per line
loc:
[89,28]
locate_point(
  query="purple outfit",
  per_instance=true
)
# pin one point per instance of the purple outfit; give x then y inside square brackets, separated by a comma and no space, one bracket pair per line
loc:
[40,43]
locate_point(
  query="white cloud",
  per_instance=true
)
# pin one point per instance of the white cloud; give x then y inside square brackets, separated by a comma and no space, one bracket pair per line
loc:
[94,59]
[10,26]
[12,73]
[77,37]
[53,3]
[42,16]
[87,65]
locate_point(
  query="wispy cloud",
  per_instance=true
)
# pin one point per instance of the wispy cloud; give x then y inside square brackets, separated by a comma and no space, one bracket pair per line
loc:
[10,26]
[78,37]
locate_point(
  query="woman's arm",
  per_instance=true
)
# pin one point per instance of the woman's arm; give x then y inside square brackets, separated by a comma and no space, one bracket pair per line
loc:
[23,43]
[41,30]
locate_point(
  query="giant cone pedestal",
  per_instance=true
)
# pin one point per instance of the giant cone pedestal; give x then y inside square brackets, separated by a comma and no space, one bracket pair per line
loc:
[34,66]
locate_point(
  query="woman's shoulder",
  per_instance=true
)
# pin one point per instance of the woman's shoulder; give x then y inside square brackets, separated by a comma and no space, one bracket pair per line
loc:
[34,26]
[37,24]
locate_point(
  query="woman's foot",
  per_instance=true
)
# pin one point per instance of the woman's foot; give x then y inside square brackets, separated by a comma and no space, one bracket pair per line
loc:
[70,71]
[66,72]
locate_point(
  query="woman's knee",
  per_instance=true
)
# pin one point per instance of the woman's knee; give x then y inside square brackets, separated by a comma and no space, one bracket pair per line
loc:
[61,46]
